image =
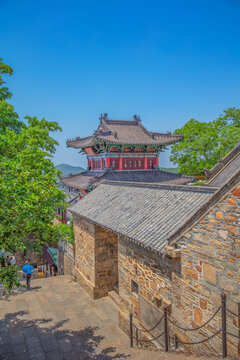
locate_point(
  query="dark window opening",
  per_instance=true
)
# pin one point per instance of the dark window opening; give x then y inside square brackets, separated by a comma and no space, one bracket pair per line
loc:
[134,287]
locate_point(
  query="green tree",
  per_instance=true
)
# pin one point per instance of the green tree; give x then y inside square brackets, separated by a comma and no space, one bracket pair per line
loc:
[4,91]
[205,143]
[29,194]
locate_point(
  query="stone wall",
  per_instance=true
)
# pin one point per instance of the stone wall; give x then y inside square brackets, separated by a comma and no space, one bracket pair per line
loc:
[68,265]
[35,257]
[210,266]
[65,258]
[95,258]
[84,233]
[191,287]
[106,261]
[152,273]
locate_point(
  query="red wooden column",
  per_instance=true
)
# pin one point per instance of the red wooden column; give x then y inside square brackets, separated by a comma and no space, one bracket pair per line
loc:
[120,163]
[92,164]
[102,163]
[156,161]
[107,162]
[145,165]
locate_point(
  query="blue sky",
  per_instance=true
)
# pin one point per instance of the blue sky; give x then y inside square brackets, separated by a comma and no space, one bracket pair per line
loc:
[167,61]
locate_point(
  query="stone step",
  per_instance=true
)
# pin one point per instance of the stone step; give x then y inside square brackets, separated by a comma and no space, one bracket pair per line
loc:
[113,295]
[143,354]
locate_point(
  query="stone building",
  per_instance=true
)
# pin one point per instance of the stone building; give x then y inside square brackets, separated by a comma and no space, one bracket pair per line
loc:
[65,258]
[122,150]
[161,245]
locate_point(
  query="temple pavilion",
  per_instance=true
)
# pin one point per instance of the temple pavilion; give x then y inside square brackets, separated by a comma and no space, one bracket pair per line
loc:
[122,150]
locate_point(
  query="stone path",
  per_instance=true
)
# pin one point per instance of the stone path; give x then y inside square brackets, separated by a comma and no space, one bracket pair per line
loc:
[57,320]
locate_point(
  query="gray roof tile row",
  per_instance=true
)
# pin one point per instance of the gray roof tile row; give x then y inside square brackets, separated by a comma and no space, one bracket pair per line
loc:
[146,213]
[224,175]
[130,132]
[85,179]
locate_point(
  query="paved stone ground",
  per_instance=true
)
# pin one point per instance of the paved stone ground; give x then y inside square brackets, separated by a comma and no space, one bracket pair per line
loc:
[57,320]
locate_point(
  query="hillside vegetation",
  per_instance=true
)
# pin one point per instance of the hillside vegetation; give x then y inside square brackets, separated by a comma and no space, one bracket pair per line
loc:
[171,170]
[67,169]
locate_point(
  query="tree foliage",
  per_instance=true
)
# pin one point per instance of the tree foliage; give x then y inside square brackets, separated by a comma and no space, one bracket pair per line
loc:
[205,143]
[29,194]
[4,91]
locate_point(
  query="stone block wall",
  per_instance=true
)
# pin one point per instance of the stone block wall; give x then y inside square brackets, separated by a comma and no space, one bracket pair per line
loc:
[191,286]
[152,273]
[35,257]
[96,258]
[84,269]
[106,261]
[210,266]
[65,258]
[68,265]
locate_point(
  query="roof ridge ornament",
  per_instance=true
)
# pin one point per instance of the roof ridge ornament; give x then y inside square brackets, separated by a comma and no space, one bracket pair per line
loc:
[103,117]
[136,118]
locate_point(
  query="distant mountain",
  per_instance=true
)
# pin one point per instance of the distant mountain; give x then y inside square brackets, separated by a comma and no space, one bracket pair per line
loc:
[171,170]
[69,169]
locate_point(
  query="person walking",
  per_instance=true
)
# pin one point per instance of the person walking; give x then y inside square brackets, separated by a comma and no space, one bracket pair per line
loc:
[27,269]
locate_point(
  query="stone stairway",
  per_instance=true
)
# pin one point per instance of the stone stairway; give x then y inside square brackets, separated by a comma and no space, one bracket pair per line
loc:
[57,320]
[144,354]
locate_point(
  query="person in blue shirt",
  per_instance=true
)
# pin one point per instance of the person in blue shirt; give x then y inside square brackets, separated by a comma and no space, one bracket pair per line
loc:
[27,269]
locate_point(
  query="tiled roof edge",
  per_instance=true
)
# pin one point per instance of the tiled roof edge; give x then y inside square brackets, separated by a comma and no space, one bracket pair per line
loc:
[200,213]
[136,242]
[74,175]
[203,189]
[222,162]
[178,136]
[121,122]
[77,140]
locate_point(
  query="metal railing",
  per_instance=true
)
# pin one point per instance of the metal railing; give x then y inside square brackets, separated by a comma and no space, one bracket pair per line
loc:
[175,338]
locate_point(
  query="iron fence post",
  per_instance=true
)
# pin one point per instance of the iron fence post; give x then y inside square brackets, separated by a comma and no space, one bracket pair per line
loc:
[176,341]
[165,329]
[224,327]
[239,327]
[131,329]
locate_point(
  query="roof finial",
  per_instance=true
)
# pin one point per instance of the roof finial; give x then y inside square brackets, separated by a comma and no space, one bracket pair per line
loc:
[103,116]
[136,118]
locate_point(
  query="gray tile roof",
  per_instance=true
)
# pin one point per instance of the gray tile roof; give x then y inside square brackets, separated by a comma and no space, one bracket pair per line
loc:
[222,162]
[147,214]
[147,176]
[81,180]
[85,179]
[124,132]
[226,172]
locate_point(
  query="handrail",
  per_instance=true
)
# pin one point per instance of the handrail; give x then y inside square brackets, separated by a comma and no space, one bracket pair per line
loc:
[149,329]
[149,340]
[199,342]
[199,327]
[236,336]
[237,315]
[167,336]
